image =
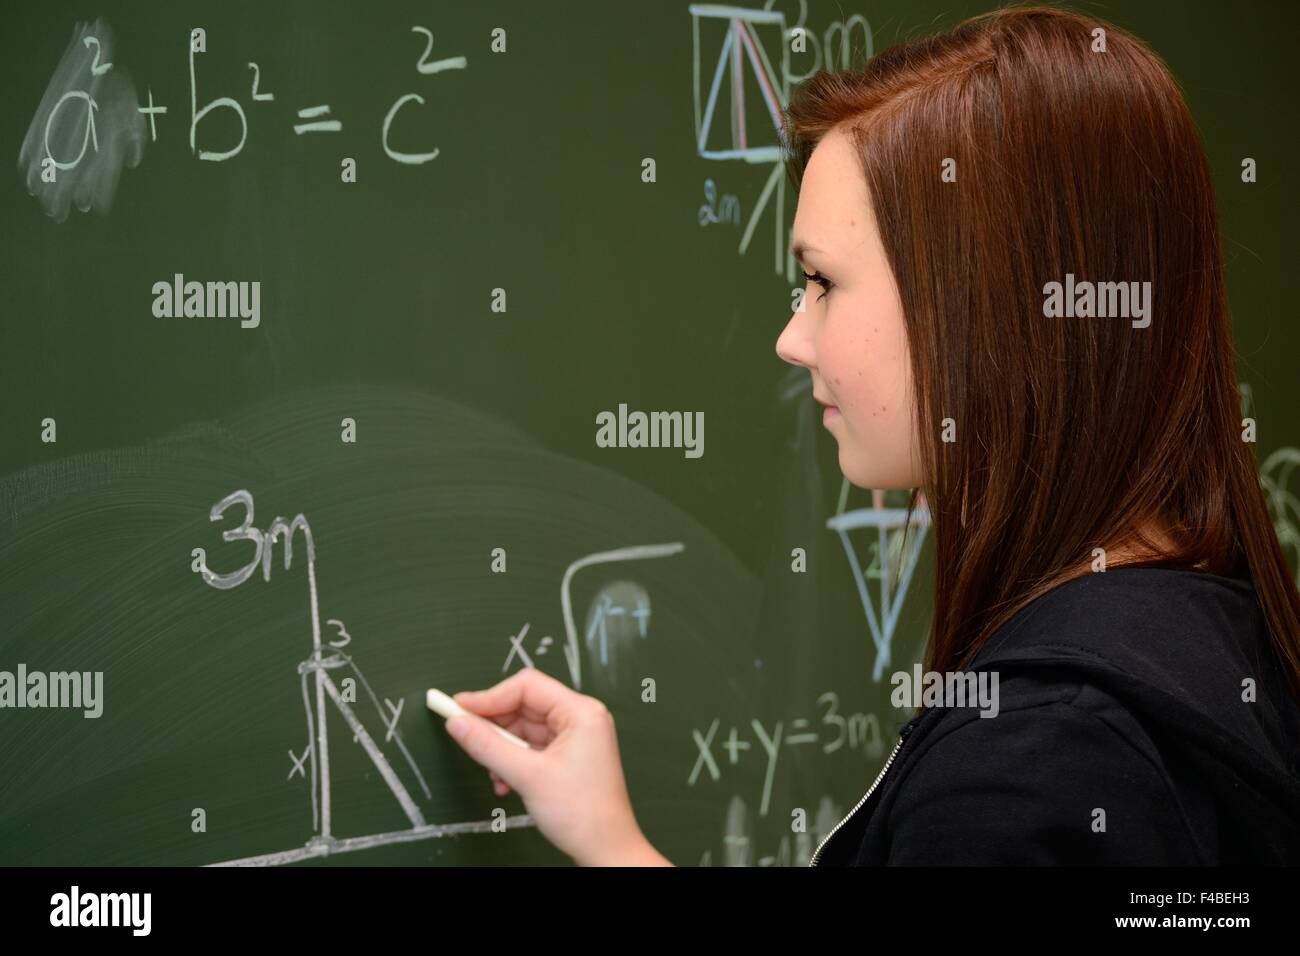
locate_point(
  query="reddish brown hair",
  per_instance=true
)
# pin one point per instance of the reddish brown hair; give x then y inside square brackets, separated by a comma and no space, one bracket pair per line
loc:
[1071,433]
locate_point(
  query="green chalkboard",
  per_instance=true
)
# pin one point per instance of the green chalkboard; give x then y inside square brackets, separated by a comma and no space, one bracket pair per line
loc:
[303,355]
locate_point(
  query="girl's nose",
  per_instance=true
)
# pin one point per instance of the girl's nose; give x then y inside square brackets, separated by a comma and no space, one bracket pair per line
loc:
[794,344]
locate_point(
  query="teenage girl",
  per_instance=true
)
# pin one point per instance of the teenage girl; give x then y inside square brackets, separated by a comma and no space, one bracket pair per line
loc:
[1102,540]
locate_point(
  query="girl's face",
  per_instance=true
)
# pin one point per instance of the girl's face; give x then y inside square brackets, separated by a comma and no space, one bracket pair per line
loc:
[850,335]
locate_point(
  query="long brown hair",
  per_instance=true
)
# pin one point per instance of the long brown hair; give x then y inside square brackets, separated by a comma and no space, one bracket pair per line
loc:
[1070,432]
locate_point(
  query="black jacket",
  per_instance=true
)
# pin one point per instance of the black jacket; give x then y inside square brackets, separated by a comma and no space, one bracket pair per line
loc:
[1120,691]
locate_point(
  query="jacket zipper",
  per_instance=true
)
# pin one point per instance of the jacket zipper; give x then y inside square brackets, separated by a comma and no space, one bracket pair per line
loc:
[870,790]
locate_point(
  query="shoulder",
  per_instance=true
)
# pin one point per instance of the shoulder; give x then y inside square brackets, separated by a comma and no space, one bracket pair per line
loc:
[1107,616]
[1059,777]
[1111,691]
[1175,646]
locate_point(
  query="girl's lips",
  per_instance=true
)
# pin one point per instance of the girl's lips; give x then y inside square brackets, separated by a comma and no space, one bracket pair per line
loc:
[831,412]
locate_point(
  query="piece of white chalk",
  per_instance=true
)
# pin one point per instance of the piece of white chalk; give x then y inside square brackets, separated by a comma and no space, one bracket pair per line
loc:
[441,704]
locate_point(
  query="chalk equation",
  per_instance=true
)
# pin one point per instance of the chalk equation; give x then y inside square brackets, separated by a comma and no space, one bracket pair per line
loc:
[834,732]
[90,123]
[619,612]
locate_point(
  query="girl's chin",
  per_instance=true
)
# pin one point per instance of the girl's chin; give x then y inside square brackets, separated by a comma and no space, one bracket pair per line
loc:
[870,478]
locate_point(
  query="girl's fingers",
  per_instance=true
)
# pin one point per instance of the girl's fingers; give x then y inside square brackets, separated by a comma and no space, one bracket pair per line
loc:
[534,732]
[528,692]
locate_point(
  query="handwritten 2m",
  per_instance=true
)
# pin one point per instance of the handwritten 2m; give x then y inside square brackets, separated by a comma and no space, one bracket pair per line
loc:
[212,300]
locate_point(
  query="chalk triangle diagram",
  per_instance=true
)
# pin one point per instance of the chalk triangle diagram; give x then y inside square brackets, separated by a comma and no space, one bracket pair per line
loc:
[742,65]
[316,669]
[328,656]
[890,568]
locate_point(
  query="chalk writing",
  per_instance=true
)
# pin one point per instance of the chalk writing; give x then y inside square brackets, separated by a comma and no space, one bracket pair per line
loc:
[854,732]
[69,157]
[316,669]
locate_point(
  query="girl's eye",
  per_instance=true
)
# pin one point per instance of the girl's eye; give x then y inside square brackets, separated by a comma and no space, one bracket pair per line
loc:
[821,280]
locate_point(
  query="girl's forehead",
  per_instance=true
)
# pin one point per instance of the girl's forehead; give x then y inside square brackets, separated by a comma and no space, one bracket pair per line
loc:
[833,214]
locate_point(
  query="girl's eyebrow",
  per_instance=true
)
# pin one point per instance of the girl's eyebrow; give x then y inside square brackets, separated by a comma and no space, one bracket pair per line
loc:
[799,248]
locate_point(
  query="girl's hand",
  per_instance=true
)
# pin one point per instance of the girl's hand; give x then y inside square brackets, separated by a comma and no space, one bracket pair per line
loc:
[572,780]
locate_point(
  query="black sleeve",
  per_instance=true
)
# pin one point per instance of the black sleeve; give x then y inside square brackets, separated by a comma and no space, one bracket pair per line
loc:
[1029,787]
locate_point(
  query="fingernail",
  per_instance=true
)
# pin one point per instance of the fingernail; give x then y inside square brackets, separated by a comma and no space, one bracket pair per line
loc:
[457,726]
